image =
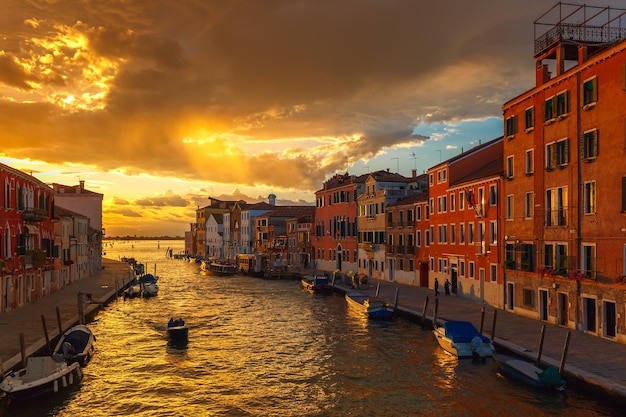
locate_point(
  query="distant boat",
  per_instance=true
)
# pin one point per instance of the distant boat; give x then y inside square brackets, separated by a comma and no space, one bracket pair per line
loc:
[461,339]
[529,373]
[42,375]
[76,345]
[177,330]
[319,284]
[150,289]
[132,292]
[369,306]
[219,267]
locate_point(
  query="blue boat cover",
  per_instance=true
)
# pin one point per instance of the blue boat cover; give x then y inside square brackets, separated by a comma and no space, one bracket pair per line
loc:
[462,331]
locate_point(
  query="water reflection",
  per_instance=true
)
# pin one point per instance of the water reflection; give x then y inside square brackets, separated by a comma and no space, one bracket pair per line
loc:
[269,348]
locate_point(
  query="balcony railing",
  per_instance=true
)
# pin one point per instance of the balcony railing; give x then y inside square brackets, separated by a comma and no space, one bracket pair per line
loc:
[34,214]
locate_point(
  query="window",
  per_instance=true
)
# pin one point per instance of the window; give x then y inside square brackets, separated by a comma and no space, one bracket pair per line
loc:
[548,110]
[590,145]
[590,93]
[461,200]
[550,156]
[471,269]
[418,238]
[527,257]
[529,204]
[493,195]
[452,202]
[562,152]
[509,166]
[556,206]
[529,297]
[493,232]
[470,233]
[462,233]
[426,238]
[462,268]
[493,272]
[590,197]
[529,119]
[510,126]
[452,233]
[509,207]
[588,266]
[562,104]
[530,162]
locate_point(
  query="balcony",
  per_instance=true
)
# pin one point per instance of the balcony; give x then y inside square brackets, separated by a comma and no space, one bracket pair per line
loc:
[34,214]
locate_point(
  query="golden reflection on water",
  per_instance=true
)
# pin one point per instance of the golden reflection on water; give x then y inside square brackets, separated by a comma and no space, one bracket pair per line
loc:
[268,348]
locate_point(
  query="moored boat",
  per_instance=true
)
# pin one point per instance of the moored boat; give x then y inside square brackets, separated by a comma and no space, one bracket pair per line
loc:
[319,284]
[461,339]
[371,307]
[529,373]
[76,345]
[219,267]
[42,375]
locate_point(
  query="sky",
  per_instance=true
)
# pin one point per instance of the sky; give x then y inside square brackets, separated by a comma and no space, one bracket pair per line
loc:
[160,104]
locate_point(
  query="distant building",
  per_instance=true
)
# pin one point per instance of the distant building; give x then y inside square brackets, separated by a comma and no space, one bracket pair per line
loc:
[89,204]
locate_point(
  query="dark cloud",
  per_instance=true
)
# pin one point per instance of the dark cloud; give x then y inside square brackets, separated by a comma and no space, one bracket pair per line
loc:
[193,89]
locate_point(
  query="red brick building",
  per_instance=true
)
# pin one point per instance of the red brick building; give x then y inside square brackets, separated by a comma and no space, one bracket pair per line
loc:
[565,158]
[464,209]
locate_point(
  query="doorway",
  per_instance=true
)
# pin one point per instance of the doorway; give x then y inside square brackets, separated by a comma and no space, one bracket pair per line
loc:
[609,319]
[510,296]
[543,305]
[562,306]
[589,315]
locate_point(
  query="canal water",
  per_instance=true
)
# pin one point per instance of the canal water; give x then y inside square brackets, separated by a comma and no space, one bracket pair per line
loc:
[269,348]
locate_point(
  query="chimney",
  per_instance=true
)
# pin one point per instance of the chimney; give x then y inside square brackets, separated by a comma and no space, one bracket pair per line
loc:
[272,199]
[414,173]
[542,75]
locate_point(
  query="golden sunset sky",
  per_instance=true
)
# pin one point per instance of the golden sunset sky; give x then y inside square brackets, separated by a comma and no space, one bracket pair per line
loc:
[158,104]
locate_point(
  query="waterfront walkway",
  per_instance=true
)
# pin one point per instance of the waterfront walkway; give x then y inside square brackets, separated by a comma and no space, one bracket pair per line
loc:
[28,319]
[591,361]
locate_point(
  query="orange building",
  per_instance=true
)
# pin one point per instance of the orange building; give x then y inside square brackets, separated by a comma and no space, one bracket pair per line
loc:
[462,234]
[334,245]
[565,156]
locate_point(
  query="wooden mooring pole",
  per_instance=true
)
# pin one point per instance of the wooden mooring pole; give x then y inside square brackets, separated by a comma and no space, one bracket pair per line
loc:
[23,349]
[395,303]
[541,339]
[435,312]
[45,333]
[81,314]
[482,319]
[377,289]
[59,320]
[493,325]
[565,347]
[424,312]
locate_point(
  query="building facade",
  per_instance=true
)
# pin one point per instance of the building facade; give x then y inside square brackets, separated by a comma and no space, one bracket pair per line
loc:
[565,150]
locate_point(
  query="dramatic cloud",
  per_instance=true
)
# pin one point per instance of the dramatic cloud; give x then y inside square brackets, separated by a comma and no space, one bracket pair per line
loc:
[277,94]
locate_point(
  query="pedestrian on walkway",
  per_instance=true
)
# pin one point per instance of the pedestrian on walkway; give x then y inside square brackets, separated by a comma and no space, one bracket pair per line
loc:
[446,287]
[436,287]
